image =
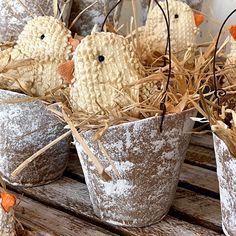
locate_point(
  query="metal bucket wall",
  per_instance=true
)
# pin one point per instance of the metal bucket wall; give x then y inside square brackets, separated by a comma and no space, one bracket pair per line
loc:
[13,16]
[25,128]
[226,171]
[93,16]
[148,163]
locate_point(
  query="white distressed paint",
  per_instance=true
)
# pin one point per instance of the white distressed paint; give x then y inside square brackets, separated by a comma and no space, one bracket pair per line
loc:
[25,128]
[13,16]
[226,172]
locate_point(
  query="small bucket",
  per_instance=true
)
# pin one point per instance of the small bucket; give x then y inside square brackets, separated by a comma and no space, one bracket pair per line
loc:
[148,163]
[25,128]
[13,16]
[226,172]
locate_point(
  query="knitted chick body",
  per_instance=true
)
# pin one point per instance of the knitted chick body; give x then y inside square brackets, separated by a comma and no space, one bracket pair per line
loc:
[105,64]
[45,42]
[183,30]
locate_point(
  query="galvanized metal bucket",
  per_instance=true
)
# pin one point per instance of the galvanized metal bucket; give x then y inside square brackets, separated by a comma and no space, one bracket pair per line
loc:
[226,172]
[25,128]
[93,16]
[148,163]
[13,16]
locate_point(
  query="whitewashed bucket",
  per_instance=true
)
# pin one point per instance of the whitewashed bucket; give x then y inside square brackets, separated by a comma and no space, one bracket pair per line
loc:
[226,172]
[13,16]
[148,163]
[25,128]
[93,16]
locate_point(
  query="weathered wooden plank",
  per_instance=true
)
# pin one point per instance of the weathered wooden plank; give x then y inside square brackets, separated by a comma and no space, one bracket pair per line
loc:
[74,168]
[170,226]
[201,156]
[202,140]
[70,195]
[197,209]
[49,221]
[199,177]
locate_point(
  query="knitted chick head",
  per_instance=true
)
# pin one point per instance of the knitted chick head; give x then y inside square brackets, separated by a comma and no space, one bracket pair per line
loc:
[104,65]
[45,39]
[46,42]
[183,28]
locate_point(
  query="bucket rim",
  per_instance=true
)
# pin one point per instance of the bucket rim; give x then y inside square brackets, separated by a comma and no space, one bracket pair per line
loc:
[13,93]
[144,120]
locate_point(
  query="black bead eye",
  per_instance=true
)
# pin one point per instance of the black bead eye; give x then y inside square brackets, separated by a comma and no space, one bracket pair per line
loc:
[42,36]
[176,16]
[101,58]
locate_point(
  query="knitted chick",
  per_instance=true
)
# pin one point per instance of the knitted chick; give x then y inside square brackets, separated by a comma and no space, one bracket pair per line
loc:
[7,221]
[105,64]
[47,42]
[230,64]
[183,29]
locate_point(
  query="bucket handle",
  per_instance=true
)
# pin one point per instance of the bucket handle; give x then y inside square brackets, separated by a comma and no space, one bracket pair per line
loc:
[168,48]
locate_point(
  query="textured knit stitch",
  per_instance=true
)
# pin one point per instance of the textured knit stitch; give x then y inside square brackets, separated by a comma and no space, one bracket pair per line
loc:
[45,41]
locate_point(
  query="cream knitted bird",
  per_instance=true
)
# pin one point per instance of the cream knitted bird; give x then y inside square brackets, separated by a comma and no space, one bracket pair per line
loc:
[105,64]
[7,220]
[183,29]
[47,42]
[230,64]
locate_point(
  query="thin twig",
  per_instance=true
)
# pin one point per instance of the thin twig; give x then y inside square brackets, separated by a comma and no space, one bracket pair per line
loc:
[86,149]
[22,166]
[81,13]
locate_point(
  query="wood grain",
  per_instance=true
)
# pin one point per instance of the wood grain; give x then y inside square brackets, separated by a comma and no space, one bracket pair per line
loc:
[69,195]
[198,209]
[201,178]
[170,226]
[202,140]
[201,156]
[49,221]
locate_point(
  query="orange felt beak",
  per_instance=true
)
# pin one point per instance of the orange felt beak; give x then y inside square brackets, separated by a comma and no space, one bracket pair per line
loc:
[66,70]
[74,43]
[8,201]
[198,19]
[232,30]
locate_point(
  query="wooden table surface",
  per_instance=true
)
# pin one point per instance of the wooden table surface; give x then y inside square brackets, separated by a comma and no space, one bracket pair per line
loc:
[63,208]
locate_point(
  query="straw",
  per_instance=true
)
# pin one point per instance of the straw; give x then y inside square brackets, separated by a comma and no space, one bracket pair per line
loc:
[81,13]
[26,8]
[22,166]
[87,150]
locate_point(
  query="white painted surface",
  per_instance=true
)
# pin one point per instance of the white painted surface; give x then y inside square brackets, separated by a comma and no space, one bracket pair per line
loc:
[148,163]
[226,172]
